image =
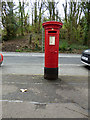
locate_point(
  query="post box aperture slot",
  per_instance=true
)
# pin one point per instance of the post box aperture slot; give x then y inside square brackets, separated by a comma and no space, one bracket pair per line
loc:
[51,40]
[52,31]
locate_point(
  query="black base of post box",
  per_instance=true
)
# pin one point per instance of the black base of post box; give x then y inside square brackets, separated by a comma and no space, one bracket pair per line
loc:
[51,73]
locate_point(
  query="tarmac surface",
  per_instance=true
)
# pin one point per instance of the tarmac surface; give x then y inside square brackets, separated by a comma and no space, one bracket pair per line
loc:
[66,97]
[33,64]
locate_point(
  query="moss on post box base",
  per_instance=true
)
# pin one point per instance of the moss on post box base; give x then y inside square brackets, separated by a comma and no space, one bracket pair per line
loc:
[50,73]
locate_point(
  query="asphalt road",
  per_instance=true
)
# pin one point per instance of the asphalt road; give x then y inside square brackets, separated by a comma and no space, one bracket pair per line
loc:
[66,97]
[34,64]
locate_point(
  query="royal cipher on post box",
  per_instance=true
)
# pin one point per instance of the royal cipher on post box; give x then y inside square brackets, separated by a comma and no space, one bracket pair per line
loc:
[51,49]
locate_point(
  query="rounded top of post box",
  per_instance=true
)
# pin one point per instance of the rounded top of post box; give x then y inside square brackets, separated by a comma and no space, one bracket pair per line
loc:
[55,24]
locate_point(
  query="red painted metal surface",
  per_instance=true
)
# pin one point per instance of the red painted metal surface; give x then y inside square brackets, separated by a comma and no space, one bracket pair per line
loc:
[1,58]
[51,49]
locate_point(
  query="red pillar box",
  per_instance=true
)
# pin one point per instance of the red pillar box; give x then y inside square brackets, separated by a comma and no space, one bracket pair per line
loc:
[1,58]
[51,49]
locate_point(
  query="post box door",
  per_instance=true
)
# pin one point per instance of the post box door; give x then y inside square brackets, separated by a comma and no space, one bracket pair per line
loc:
[52,47]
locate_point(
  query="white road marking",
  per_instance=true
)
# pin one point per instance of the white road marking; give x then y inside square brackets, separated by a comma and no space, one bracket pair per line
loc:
[21,101]
[39,54]
[69,65]
[38,83]
[14,101]
[43,83]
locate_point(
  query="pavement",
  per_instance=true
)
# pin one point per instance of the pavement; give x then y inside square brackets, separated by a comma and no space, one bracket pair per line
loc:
[66,97]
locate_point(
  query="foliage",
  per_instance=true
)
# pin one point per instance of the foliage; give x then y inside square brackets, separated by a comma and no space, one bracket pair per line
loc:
[16,22]
[76,28]
[64,46]
[9,20]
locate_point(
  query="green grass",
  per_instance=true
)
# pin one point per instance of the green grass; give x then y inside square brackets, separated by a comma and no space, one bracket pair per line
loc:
[64,46]
[78,47]
[18,50]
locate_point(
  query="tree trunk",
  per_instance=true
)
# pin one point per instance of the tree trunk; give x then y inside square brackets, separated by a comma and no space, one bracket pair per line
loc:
[53,8]
[50,10]
[35,12]
[32,17]
[39,18]
[65,9]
